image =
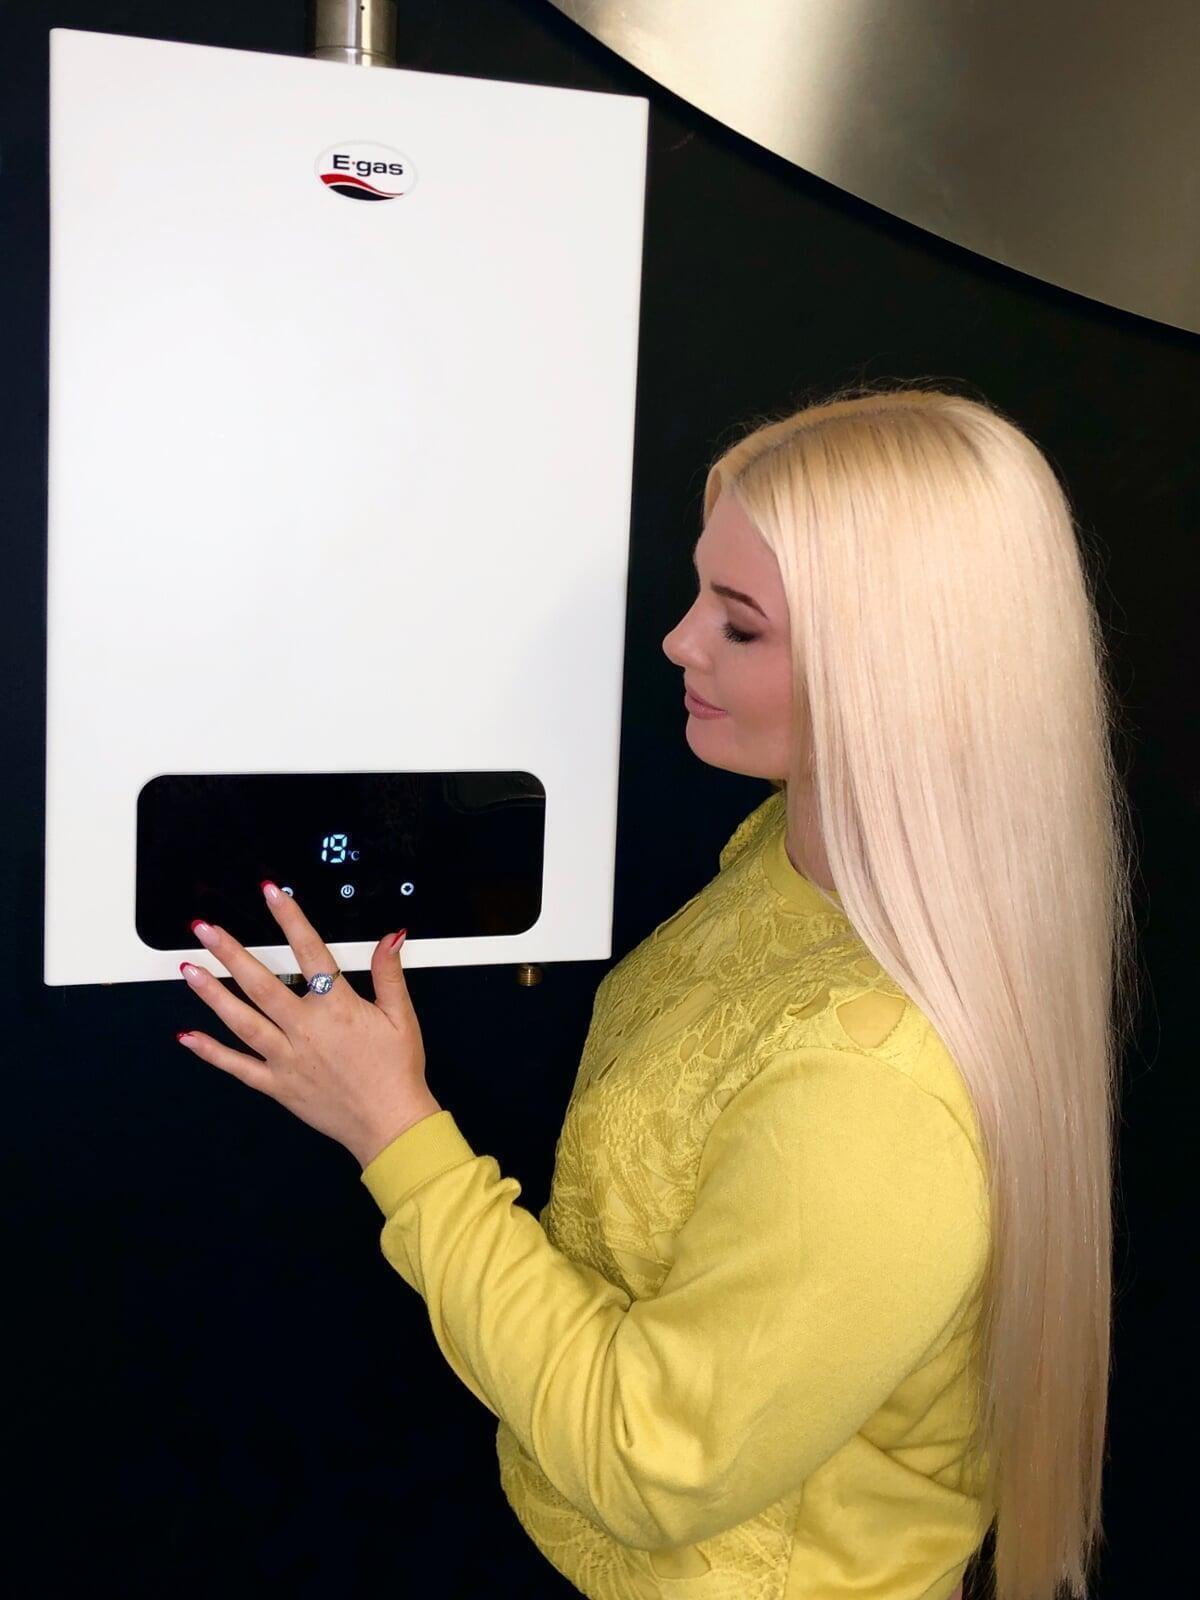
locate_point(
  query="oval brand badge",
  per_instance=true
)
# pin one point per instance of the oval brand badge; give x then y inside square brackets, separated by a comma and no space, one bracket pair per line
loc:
[362,171]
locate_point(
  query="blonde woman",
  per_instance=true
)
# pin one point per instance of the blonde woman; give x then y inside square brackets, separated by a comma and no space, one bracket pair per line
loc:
[822,1291]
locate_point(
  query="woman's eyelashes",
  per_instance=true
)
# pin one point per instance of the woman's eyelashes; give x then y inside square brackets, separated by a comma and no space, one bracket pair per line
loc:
[734,635]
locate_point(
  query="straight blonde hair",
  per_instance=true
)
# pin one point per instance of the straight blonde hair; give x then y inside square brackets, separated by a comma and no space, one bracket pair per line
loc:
[950,692]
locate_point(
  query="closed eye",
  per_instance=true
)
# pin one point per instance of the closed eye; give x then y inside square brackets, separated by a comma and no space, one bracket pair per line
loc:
[734,635]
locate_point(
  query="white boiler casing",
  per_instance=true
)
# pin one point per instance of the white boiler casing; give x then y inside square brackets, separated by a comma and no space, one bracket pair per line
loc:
[341,413]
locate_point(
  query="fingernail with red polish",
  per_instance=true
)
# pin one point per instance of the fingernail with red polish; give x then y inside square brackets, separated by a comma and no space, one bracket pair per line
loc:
[396,938]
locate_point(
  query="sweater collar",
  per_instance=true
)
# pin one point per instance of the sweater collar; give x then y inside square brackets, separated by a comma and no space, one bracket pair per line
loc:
[799,892]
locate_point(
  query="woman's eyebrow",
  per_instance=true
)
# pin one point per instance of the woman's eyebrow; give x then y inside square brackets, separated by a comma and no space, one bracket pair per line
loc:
[731,594]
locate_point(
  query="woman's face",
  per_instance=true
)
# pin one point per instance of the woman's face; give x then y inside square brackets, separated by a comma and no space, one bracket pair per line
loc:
[736,654]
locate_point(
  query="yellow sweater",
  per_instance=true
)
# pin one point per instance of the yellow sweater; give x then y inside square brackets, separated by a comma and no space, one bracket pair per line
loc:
[729,1357]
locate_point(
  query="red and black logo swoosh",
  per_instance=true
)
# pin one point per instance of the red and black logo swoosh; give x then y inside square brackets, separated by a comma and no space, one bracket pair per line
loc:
[354,188]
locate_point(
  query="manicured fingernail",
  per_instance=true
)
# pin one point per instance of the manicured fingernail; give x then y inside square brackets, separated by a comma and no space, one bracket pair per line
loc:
[396,938]
[203,932]
[269,889]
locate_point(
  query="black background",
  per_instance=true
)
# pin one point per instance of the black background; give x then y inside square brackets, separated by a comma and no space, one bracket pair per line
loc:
[218,1386]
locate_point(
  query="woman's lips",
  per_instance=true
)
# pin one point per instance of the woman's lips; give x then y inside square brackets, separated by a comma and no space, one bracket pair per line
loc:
[701,708]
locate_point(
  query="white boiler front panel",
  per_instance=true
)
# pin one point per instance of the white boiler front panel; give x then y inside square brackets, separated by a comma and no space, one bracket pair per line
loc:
[336,484]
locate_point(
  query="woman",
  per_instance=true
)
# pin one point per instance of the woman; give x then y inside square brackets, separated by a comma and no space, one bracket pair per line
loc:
[821,1294]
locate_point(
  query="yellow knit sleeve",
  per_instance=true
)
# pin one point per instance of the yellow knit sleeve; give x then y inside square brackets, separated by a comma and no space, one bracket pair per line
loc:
[839,1228]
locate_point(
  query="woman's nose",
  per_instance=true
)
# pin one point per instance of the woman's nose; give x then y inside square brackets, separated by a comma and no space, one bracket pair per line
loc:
[674,639]
[677,658]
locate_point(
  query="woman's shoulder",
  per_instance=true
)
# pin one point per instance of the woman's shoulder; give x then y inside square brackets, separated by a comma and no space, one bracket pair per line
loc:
[751,827]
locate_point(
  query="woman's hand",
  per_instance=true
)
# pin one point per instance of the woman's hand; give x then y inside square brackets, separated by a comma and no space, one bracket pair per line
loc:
[350,1068]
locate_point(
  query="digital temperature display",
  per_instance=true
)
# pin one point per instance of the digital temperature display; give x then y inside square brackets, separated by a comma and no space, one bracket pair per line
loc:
[445,855]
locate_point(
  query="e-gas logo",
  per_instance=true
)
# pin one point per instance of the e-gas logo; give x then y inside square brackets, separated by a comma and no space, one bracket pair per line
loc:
[363,171]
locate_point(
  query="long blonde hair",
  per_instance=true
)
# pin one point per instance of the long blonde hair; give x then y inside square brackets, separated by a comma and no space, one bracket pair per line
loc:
[950,690]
